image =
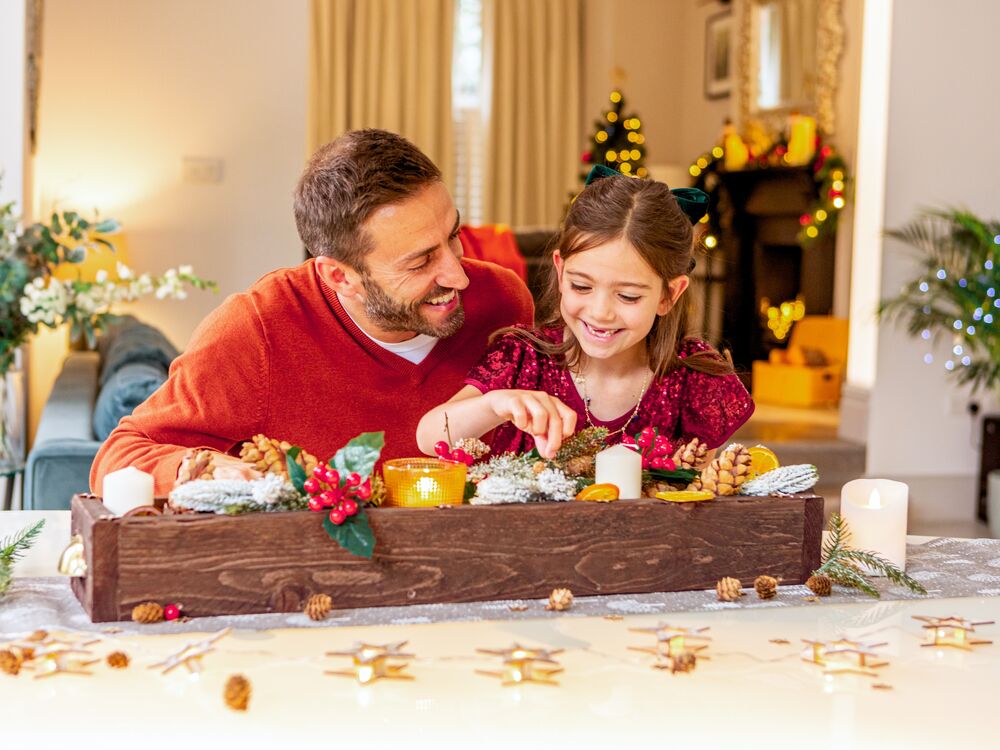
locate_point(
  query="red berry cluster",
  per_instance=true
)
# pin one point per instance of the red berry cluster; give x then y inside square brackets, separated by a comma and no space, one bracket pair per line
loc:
[342,497]
[655,448]
[444,451]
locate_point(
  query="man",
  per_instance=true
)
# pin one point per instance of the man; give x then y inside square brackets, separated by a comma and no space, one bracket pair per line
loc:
[382,324]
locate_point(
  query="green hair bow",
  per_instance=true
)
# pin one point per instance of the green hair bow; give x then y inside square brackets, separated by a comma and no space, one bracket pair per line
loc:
[693,202]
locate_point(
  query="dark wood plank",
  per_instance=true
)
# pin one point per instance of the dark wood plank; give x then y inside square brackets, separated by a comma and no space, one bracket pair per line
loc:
[273,562]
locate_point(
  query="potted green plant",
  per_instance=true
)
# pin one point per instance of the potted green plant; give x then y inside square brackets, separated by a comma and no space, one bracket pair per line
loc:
[31,296]
[955,297]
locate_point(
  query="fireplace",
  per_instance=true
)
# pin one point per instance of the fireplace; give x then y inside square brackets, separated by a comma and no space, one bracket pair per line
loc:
[758,257]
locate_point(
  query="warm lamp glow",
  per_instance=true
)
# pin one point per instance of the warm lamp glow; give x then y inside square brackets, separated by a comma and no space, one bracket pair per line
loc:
[99,258]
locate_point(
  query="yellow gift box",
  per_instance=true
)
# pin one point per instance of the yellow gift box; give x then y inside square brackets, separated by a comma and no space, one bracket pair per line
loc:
[423,482]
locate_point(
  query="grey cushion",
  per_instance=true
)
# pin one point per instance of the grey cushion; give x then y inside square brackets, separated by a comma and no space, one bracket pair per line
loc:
[135,342]
[127,387]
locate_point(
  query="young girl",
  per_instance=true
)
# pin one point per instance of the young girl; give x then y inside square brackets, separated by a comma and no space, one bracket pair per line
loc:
[609,348]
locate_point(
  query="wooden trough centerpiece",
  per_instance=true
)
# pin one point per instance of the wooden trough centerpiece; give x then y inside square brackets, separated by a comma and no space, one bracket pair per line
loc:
[272,562]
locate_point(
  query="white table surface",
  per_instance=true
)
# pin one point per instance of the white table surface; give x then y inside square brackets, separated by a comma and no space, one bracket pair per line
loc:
[751,693]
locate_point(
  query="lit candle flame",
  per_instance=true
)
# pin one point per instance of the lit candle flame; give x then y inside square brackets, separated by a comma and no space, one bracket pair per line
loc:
[427,487]
[875,500]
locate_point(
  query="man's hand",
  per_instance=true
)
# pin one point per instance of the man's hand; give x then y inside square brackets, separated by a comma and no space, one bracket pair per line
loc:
[547,419]
[205,464]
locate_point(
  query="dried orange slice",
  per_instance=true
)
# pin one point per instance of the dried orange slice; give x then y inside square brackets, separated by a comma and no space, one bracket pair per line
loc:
[684,496]
[762,460]
[599,493]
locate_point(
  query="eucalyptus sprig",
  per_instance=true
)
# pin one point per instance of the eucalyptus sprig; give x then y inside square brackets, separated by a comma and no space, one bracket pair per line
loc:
[13,548]
[842,563]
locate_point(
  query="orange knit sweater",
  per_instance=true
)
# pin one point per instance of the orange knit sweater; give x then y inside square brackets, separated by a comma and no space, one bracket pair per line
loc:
[284,359]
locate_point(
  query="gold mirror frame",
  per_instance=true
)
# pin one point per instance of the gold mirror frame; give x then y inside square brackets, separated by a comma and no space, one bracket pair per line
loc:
[829,47]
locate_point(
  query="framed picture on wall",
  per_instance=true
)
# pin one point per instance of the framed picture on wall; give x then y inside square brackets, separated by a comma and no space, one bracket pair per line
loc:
[719,55]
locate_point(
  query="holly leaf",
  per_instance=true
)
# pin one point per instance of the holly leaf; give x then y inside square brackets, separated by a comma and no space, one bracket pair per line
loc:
[296,474]
[354,535]
[360,454]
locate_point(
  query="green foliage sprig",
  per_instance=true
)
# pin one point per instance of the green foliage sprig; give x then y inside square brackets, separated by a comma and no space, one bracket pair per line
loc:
[955,295]
[842,563]
[12,549]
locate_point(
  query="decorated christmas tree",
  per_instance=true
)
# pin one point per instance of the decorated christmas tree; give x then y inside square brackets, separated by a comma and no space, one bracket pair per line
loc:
[617,141]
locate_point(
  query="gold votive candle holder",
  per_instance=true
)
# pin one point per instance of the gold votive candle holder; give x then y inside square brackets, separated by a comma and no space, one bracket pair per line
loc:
[423,482]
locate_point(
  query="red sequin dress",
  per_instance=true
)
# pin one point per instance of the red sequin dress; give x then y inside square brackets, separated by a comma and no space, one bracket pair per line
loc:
[683,404]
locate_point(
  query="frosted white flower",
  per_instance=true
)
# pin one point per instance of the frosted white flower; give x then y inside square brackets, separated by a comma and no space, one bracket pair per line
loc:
[555,485]
[186,270]
[496,490]
[124,272]
[101,276]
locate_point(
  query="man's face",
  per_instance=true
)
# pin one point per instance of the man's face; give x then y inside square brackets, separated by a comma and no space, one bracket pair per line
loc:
[413,275]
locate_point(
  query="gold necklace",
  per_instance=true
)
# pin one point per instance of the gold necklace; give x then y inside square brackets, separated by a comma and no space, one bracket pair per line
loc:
[579,378]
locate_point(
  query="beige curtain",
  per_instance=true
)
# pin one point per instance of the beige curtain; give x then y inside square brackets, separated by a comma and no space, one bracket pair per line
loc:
[531,63]
[383,64]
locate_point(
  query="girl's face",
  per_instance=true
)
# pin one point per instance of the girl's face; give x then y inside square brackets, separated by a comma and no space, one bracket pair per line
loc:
[611,298]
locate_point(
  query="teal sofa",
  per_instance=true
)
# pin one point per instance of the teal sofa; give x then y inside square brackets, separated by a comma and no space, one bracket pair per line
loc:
[94,389]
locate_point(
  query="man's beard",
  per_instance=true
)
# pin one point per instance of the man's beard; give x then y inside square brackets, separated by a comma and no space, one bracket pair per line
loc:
[390,315]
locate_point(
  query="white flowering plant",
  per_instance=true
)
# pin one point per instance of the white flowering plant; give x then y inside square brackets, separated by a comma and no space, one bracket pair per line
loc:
[31,296]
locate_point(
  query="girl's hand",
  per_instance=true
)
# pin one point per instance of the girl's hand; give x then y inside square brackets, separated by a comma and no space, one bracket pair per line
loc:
[547,419]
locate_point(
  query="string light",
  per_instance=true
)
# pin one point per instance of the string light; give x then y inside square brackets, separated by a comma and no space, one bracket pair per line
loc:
[925,334]
[941,274]
[924,286]
[821,215]
[949,365]
[710,241]
[642,172]
[601,137]
[702,162]
[971,331]
[717,152]
[958,325]
[626,168]
[694,170]
[611,156]
[612,117]
[812,232]
[963,283]
[634,153]
[988,319]
[966,360]
[838,202]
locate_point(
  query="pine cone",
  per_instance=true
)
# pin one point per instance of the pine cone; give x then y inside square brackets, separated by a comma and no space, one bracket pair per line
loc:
[474,447]
[269,456]
[691,455]
[766,586]
[559,600]
[378,489]
[10,662]
[729,589]
[147,613]
[118,660]
[237,692]
[820,585]
[685,661]
[581,466]
[725,473]
[318,606]
[196,465]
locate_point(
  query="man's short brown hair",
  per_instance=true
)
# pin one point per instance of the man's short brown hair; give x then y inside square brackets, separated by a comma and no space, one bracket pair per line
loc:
[346,181]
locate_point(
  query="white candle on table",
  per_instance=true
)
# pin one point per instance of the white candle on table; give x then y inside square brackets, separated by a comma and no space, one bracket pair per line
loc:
[875,511]
[622,467]
[126,489]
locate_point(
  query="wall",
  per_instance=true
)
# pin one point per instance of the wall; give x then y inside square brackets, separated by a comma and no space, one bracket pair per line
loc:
[128,89]
[942,151]
[645,40]
[12,125]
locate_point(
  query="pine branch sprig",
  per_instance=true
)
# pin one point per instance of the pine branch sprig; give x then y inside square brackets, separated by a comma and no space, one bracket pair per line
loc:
[886,568]
[848,576]
[841,562]
[12,548]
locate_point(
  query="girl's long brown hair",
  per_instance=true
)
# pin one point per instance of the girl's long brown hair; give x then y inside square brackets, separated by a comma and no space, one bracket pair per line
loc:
[644,213]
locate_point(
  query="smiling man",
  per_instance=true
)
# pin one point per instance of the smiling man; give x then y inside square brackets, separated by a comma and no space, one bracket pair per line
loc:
[383,323]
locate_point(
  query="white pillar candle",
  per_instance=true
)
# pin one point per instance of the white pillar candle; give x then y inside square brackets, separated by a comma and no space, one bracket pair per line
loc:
[126,489]
[875,511]
[622,467]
